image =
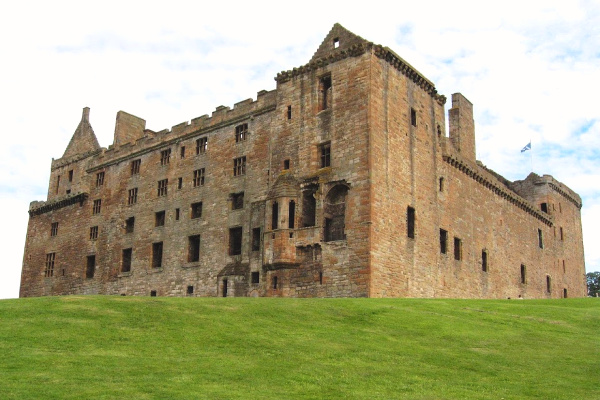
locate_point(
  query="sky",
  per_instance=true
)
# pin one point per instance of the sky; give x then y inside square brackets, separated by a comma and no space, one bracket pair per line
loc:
[531,69]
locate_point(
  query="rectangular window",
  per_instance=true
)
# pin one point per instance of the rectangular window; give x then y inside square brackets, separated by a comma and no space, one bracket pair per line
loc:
[165,157]
[548,284]
[544,207]
[457,249]
[97,206]
[540,239]
[291,214]
[196,210]
[201,145]
[255,277]
[129,224]
[157,253]
[71,176]
[255,239]
[190,290]
[443,241]
[57,183]
[235,241]
[54,229]
[159,218]
[179,183]
[274,282]
[199,177]
[194,248]
[49,271]
[325,150]
[135,167]
[274,215]
[162,187]
[177,214]
[239,166]
[413,117]
[562,236]
[484,260]
[182,151]
[289,112]
[286,164]
[126,260]
[99,179]
[93,233]
[90,267]
[241,132]
[325,93]
[523,274]
[237,201]
[132,196]
[410,222]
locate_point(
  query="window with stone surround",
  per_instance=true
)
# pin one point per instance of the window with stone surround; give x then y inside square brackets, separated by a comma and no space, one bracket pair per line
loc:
[93,232]
[237,201]
[239,166]
[196,210]
[135,166]
[255,277]
[274,215]
[291,214]
[286,164]
[199,177]
[162,187]
[201,145]
[194,248]
[71,176]
[309,206]
[100,179]
[97,206]
[126,260]
[410,222]
[90,266]
[540,239]
[325,92]
[157,254]
[334,212]
[179,183]
[274,282]
[548,284]
[255,239]
[159,218]
[165,157]
[457,249]
[153,293]
[484,260]
[190,290]
[132,196]
[182,151]
[54,229]
[544,207]
[443,241]
[413,117]
[177,212]
[49,270]
[241,133]
[562,235]
[523,274]
[325,154]
[235,241]
[129,224]
[289,112]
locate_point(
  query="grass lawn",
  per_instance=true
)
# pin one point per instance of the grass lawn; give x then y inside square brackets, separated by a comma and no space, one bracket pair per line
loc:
[104,347]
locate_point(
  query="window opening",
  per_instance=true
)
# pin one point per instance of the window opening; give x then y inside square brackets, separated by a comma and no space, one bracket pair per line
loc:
[523,274]
[457,249]
[443,241]
[165,157]
[237,201]
[286,164]
[410,222]
[70,175]
[241,132]
[274,215]
[129,224]
[190,290]
[182,151]
[274,282]
[564,267]
[90,267]
[57,183]
[157,253]
[544,207]
[196,210]
[540,239]
[49,271]
[255,277]
[162,187]
[239,166]
[194,248]
[335,213]
[126,260]
[93,233]
[177,214]
[235,241]
[153,293]
[336,43]
[439,131]
[562,237]
[199,177]
[291,214]
[565,293]
[309,207]
[255,239]
[441,184]
[159,218]
[54,229]
[548,284]
[135,167]
[201,145]
[325,149]
[224,287]
[320,278]
[179,183]
[325,92]
[132,196]
[413,117]
[99,179]
[484,260]
[97,206]
[289,112]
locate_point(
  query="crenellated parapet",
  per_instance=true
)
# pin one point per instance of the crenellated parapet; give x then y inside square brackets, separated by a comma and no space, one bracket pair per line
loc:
[42,207]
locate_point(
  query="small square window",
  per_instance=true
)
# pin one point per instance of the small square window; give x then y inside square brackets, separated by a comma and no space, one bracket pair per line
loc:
[336,43]
[196,210]
[159,218]
[190,290]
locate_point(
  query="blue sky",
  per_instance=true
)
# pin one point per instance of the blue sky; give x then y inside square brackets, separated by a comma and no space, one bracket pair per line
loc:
[531,69]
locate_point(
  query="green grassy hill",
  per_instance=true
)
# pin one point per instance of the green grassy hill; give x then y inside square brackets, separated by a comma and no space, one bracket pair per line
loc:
[92,347]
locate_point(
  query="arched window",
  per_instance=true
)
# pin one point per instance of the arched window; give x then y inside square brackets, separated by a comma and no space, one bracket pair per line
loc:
[335,213]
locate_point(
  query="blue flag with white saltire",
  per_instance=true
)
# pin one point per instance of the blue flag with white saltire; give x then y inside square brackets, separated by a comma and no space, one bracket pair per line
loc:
[527,147]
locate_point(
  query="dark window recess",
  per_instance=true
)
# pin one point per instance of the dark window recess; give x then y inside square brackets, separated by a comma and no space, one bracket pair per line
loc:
[179,183]
[90,267]
[126,260]
[57,183]
[196,210]
[457,249]
[325,92]
[548,284]
[325,150]
[54,229]
[224,287]
[320,278]
[540,239]
[255,277]
[159,218]
[182,151]
[132,196]
[201,145]
[235,241]
[99,179]
[237,201]
[157,253]
[153,293]
[93,233]
[309,207]
[439,131]
[274,215]
[162,187]
[255,239]
[562,236]
[239,166]
[291,214]
[49,270]
[564,267]
[484,261]
[97,207]
[413,117]
[68,191]
[523,274]
[135,167]
[289,112]
[129,224]
[274,282]
[410,222]
[544,207]
[241,132]
[441,184]
[443,241]
[165,157]
[71,176]
[194,248]
[190,290]
[177,214]
[286,164]
[199,177]
[334,210]
[565,293]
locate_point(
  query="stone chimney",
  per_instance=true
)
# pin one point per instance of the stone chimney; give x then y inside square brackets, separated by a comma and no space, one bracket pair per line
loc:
[462,126]
[128,128]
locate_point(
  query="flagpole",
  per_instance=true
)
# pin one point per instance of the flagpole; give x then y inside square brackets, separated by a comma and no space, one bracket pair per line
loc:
[531,155]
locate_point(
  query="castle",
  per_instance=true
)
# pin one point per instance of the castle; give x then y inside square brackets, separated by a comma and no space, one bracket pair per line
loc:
[342,181]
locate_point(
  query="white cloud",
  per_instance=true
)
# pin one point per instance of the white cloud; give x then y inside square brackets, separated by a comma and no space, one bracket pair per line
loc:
[530,68]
